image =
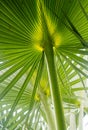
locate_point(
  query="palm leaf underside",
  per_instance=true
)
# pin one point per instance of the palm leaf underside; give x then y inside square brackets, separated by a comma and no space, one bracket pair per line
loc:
[23,66]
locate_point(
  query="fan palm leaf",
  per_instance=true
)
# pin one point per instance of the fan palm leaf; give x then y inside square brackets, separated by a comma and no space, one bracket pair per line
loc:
[43,55]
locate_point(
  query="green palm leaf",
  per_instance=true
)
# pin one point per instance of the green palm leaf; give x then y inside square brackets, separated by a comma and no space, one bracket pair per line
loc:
[43,55]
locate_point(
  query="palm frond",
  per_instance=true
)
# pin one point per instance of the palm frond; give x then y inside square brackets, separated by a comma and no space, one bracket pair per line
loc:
[26,29]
